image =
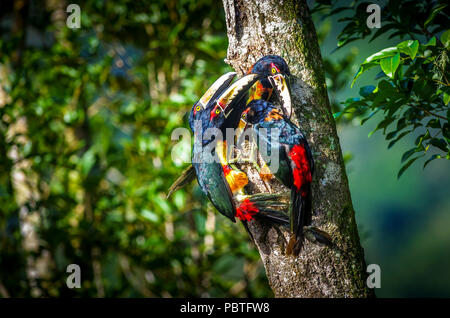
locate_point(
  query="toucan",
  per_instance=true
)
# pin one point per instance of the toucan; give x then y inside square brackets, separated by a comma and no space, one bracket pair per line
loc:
[215,177]
[267,75]
[271,72]
[294,164]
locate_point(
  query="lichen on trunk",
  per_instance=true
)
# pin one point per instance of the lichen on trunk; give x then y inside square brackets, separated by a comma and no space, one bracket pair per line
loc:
[257,28]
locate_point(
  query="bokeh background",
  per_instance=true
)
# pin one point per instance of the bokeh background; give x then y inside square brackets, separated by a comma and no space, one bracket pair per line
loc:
[86,118]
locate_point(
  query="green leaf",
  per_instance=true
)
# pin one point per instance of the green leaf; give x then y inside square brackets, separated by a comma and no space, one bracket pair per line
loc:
[383,29]
[391,135]
[406,166]
[433,14]
[373,60]
[409,48]
[162,204]
[350,103]
[385,86]
[423,89]
[445,38]
[393,107]
[421,138]
[390,51]
[366,90]
[432,42]
[446,98]
[434,123]
[345,41]
[368,117]
[390,64]
[439,143]
[403,134]
[401,123]
[446,132]
[87,161]
[364,67]
[382,125]
[409,153]
[337,115]
[150,216]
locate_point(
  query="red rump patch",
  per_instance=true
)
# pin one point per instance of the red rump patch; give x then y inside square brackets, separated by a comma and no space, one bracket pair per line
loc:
[302,171]
[246,210]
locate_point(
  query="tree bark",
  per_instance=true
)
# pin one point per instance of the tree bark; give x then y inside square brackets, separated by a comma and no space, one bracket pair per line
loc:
[284,27]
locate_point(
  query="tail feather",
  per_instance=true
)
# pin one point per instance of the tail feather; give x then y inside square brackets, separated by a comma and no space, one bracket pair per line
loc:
[300,217]
[295,245]
[259,197]
[187,176]
[262,210]
[273,216]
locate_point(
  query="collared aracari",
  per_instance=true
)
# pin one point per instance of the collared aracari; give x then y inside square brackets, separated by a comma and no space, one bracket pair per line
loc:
[274,68]
[216,178]
[209,174]
[295,162]
[272,71]
[218,97]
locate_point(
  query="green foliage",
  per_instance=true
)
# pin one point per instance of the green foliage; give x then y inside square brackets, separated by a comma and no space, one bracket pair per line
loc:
[399,18]
[85,122]
[412,91]
[337,72]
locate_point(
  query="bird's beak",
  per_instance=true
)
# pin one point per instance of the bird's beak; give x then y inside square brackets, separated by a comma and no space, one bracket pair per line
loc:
[242,124]
[216,89]
[282,90]
[241,127]
[232,96]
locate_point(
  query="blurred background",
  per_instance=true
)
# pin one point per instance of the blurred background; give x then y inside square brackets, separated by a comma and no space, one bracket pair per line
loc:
[86,117]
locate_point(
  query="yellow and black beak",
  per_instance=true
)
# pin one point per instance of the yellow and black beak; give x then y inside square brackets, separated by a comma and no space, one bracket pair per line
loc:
[281,86]
[229,99]
[243,122]
[216,89]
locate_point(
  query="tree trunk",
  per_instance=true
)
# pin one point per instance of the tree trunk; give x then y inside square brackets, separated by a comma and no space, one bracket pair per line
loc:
[284,27]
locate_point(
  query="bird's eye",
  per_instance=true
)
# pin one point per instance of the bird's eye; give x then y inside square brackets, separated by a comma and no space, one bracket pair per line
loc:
[217,111]
[197,108]
[244,115]
[274,70]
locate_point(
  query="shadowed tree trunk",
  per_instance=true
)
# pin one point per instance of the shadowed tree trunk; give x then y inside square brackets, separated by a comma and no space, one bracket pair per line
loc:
[260,27]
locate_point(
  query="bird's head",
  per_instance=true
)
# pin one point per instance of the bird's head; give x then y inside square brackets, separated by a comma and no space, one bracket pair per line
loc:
[203,106]
[274,73]
[270,65]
